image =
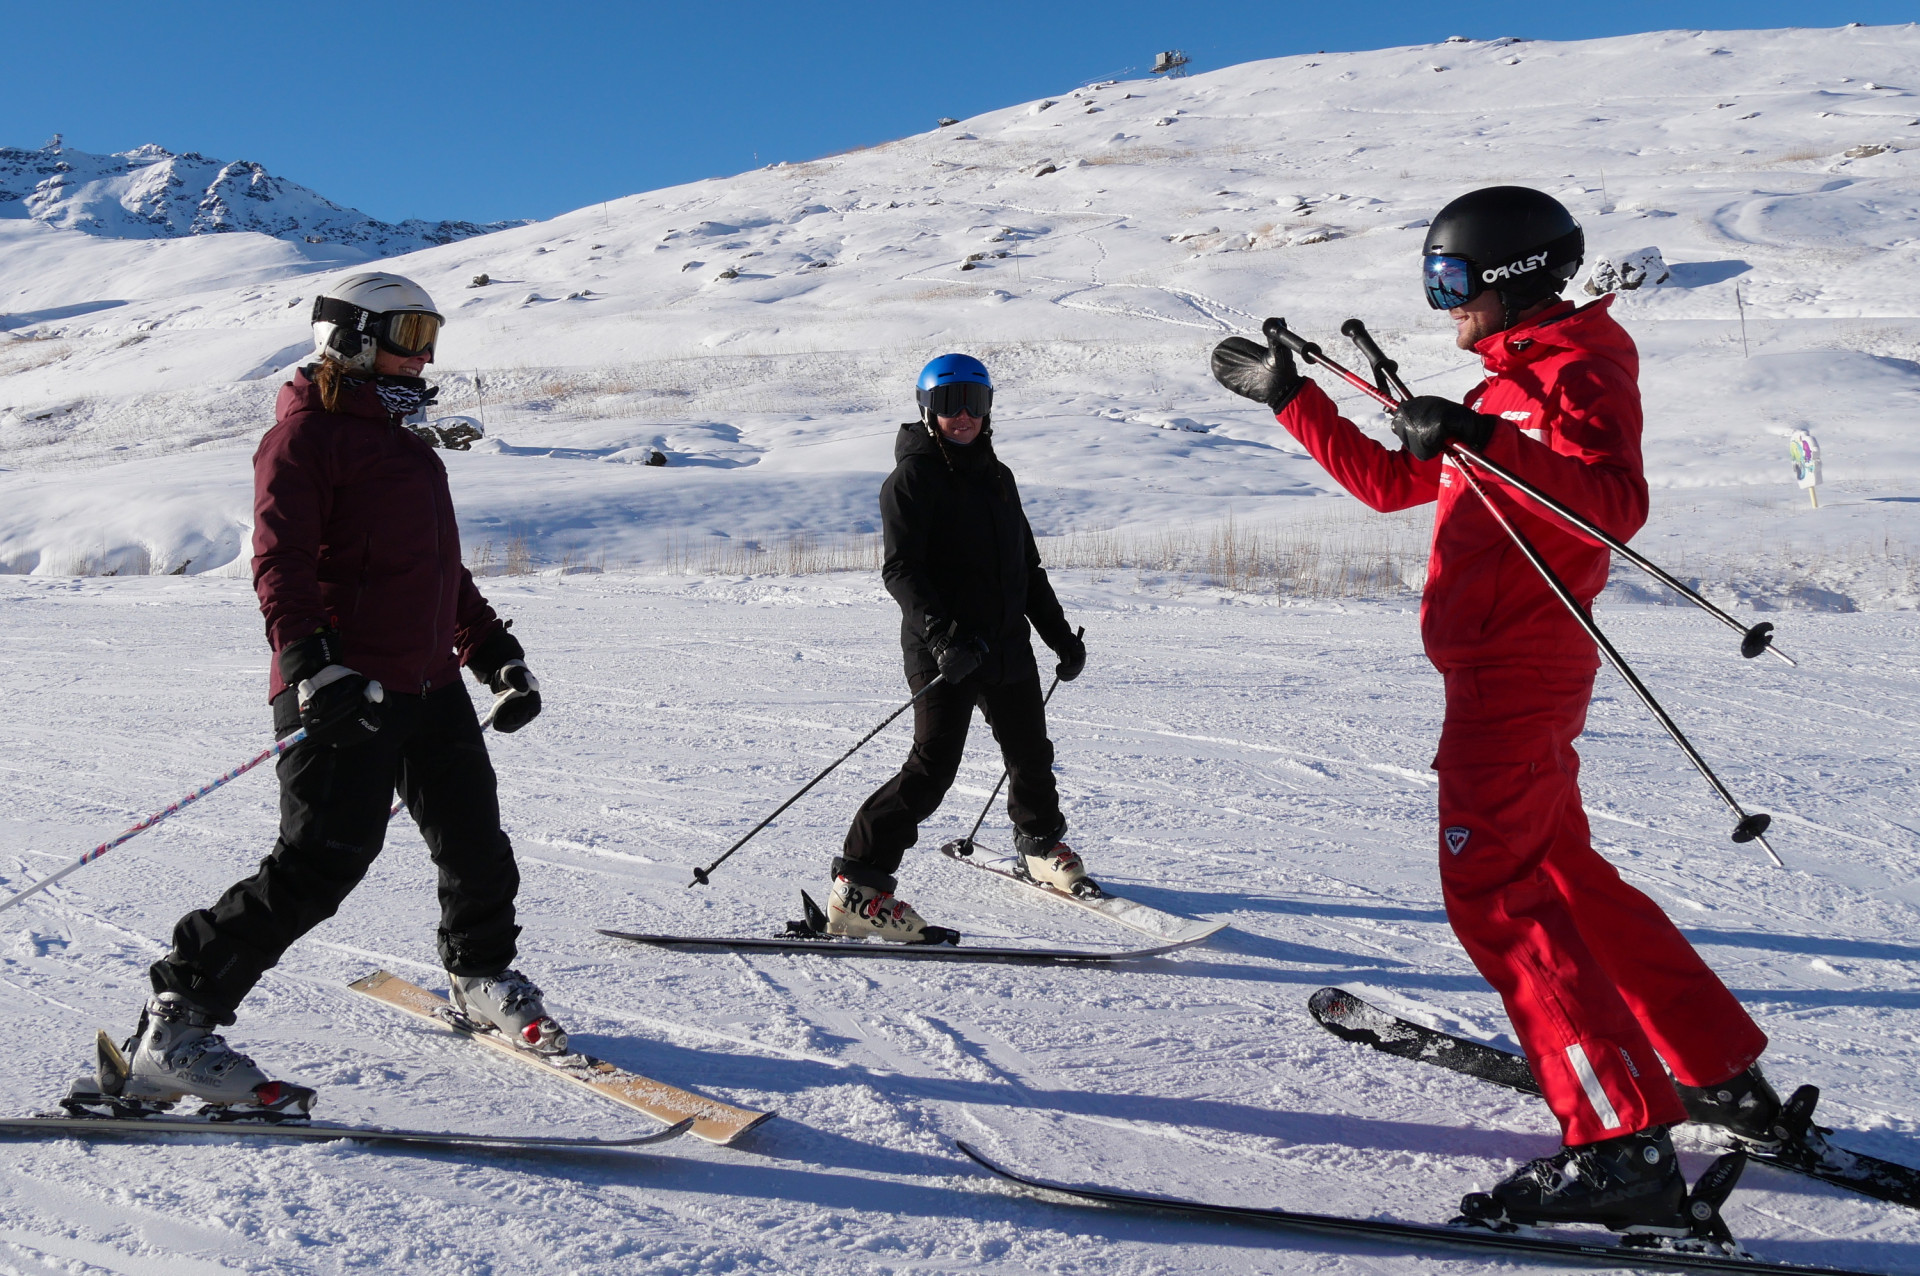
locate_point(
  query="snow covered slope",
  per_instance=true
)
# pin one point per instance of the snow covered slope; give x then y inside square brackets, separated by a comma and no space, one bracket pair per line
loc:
[1261,765]
[151,193]
[762,329]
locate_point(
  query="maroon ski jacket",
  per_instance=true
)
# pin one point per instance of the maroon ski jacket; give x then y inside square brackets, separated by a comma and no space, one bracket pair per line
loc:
[353,526]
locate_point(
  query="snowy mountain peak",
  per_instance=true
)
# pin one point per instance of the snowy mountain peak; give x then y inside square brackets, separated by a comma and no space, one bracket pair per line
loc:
[151,193]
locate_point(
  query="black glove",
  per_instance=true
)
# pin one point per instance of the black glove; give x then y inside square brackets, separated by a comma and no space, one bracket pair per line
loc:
[956,652]
[338,706]
[1265,374]
[1072,651]
[501,663]
[1427,424]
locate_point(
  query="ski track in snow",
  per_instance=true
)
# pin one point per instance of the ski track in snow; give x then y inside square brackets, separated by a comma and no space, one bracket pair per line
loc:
[1222,758]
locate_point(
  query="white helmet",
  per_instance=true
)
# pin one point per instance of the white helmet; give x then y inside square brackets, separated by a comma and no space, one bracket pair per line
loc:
[371,311]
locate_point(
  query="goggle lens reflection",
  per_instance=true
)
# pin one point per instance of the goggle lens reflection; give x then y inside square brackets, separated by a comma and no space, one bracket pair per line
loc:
[1449,281]
[410,332]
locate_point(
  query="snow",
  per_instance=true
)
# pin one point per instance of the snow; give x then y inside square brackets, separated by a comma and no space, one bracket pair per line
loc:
[1223,757]
[151,193]
[786,308]
[1230,754]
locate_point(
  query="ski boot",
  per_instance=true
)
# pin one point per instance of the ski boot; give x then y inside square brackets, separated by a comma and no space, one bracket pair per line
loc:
[857,911]
[510,1003]
[174,1054]
[1743,1105]
[1629,1184]
[1051,862]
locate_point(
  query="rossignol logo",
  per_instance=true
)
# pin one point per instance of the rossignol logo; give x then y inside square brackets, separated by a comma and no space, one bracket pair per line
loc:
[1513,268]
[1457,838]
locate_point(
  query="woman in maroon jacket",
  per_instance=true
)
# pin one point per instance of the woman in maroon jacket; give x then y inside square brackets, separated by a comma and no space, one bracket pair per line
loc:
[370,615]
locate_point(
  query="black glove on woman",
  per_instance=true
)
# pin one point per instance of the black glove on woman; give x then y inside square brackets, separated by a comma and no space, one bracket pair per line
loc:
[501,663]
[338,705]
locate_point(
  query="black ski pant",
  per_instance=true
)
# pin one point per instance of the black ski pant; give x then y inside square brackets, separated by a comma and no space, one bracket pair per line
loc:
[889,821]
[333,820]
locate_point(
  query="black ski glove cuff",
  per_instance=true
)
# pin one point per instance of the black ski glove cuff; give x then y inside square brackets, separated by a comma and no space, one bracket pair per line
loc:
[1266,374]
[301,659]
[492,653]
[1426,426]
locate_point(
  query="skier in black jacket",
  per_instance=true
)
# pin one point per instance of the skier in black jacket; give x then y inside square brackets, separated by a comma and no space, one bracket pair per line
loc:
[961,562]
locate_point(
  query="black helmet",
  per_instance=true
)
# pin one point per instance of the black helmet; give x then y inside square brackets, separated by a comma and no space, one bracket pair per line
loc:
[1519,242]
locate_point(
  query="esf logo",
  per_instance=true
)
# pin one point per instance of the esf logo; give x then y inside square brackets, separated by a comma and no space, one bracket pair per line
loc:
[1513,268]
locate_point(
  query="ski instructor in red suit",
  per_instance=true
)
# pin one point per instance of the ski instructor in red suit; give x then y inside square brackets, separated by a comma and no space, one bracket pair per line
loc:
[1600,987]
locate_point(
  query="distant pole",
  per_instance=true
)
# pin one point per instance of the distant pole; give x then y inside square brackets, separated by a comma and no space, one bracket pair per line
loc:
[1742,307]
[480,397]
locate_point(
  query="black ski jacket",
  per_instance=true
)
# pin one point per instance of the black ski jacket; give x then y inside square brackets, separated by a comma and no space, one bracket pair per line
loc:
[959,549]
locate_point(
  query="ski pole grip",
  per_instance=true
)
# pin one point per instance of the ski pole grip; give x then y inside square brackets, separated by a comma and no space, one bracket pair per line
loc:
[1356,332]
[1278,334]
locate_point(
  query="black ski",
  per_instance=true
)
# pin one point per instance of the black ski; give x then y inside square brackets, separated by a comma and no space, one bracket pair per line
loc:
[824,947]
[810,936]
[1426,1236]
[90,1127]
[1808,1152]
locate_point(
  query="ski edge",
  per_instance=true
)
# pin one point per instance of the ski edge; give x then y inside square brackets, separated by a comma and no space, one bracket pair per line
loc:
[1189,929]
[1415,1235]
[713,1120]
[920,952]
[59,1126]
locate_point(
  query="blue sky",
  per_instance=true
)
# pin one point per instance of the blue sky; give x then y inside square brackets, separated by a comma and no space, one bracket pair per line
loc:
[488,110]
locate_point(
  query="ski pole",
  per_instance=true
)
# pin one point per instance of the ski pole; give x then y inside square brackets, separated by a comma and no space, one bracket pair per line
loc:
[965,846]
[700,874]
[1751,828]
[1753,639]
[279,747]
[1386,373]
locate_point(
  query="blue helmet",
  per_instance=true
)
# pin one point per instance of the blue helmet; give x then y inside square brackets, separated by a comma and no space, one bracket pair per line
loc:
[971,388]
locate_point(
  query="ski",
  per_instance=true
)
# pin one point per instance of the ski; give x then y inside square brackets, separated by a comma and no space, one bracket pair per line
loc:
[1124,912]
[89,1127]
[714,1121]
[1808,1152]
[825,947]
[1617,1254]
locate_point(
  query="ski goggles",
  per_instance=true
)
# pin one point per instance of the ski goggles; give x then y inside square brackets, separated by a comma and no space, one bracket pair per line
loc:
[957,398]
[402,332]
[408,332]
[1449,281]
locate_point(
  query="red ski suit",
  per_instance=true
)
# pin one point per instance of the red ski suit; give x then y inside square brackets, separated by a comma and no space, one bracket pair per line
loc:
[1597,981]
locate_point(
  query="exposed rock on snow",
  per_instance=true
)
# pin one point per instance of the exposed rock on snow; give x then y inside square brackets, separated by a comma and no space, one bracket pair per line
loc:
[152,193]
[1641,268]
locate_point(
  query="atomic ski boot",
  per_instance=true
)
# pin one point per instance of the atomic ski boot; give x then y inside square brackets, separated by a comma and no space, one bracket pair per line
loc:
[1628,1184]
[858,911]
[510,1002]
[174,1054]
[1744,1105]
[1051,862]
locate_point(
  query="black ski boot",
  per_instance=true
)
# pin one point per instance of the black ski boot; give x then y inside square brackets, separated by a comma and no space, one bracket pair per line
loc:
[1628,1184]
[1744,1105]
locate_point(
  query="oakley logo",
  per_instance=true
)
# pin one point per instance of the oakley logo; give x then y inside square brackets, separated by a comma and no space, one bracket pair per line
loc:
[1513,268]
